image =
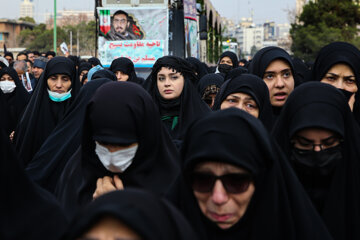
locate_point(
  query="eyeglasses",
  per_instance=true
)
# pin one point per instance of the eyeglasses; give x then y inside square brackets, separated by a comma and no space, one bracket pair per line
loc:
[233,183]
[302,143]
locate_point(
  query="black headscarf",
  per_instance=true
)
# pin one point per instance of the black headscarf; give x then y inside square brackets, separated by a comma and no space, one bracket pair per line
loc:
[42,114]
[198,66]
[232,56]
[94,61]
[27,211]
[48,163]
[187,107]
[5,115]
[302,71]
[104,73]
[126,66]
[339,52]
[120,113]
[279,208]
[265,56]
[143,212]
[208,80]
[253,86]
[17,100]
[321,105]
[235,72]
[262,60]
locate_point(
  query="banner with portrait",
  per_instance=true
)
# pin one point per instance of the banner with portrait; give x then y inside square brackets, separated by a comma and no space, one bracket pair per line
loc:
[140,34]
[191,29]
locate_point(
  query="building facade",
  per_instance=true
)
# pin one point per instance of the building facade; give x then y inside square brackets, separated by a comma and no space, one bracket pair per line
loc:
[10,30]
[27,8]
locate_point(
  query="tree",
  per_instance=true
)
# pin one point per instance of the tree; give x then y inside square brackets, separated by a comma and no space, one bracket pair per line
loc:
[27,19]
[41,39]
[323,22]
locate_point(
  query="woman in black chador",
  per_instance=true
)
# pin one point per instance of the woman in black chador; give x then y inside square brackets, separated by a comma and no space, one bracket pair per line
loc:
[123,144]
[130,214]
[237,184]
[172,90]
[124,70]
[249,93]
[48,163]
[16,96]
[321,140]
[27,211]
[56,90]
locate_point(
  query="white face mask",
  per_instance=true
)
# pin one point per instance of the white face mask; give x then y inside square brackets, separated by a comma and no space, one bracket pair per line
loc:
[7,86]
[59,97]
[118,161]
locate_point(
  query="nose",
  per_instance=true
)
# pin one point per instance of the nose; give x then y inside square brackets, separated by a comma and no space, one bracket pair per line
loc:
[339,84]
[279,82]
[219,195]
[317,148]
[58,83]
[118,75]
[167,82]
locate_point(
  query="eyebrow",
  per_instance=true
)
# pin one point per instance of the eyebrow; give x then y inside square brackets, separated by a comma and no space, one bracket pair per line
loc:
[284,70]
[337,75]
[322,140]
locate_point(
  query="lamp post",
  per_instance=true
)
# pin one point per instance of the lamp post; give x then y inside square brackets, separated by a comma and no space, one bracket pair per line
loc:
[55,26]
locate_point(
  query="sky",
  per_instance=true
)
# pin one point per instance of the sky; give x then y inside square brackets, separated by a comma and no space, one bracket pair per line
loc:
[264,10]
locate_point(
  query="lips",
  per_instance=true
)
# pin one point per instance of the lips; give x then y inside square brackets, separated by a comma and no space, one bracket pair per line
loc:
[280,96]
[220,217]
[168,91]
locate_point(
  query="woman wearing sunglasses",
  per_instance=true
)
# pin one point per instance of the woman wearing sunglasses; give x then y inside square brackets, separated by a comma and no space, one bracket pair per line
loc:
[320,137]
[237,185]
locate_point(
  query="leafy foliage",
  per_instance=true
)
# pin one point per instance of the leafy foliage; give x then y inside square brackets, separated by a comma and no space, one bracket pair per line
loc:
[40,38]
[323,22]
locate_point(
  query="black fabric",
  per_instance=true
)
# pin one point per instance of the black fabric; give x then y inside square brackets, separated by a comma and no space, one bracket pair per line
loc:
[48,163]
[104,73]
[121,113]
[235,72]
[198,66]
[84,66]
[279,208]
[42,114]
[5,115]
[232,56]
[17,100]
[261,61]
[190,107]
[302,71]
[94,61]
[265,56]
[208,80]
[146,214]
[339,52]
[253,86]
[321,105]
[27,211]
[126,66]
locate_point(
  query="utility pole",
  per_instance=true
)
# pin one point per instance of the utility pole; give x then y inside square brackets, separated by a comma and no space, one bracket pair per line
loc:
[55,26]
[77,43]
[70,42]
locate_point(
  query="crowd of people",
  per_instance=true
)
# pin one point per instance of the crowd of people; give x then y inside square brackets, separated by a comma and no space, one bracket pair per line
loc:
[262,149]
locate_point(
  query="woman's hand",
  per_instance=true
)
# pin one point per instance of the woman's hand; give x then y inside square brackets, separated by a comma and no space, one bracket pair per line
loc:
[107,184]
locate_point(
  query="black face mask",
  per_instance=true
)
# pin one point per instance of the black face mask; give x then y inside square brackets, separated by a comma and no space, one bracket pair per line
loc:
[347,94]
[313,163]
[224,68]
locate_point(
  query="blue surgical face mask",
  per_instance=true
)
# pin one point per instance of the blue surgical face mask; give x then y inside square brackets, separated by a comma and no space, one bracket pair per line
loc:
[59,97]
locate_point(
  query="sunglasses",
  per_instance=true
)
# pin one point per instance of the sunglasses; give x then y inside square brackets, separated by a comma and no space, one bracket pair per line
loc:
[233,183]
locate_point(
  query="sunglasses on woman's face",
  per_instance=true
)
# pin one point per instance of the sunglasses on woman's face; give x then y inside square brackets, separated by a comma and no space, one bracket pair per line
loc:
[233,183]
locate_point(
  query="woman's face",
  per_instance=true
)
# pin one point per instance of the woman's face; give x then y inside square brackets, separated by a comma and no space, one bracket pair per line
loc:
[242,101]
[6,77]
[280,82]
[341,76]
[110,229]
[226,60]
[316,139]
[59,83]
[223,203]
[83,72]
[170,83]
[121,76]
